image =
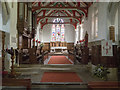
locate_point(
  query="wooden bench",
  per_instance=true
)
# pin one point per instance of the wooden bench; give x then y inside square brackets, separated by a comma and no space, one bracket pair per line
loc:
[17,82]
[110,85]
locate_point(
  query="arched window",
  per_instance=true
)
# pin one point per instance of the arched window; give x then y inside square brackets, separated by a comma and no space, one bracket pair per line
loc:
[58,30]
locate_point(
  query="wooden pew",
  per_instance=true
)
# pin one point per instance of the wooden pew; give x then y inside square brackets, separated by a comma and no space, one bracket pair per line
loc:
[110,85]
[17,82]
[71,56]
[44,56]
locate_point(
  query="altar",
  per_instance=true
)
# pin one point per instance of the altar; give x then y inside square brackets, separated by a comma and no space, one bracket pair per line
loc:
[58,46]
[58,49]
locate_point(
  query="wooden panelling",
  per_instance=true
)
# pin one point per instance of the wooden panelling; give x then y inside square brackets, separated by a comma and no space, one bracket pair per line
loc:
[110,85]
[85,55]
[46,47]
[17,82]
[3,48]
[70,46]
[58,44]
[95,55]
[32,56]
[108,61]
[25,42]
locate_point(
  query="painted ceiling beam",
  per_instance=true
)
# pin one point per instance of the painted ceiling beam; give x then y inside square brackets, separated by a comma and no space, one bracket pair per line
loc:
[54,13]
[39,12]
[78,4]
[49,12]
[50,3]
[43,24]
[59,8]
[34,2]
[59,17]
[64,11]
[60,23]
[68,17]
[39,4]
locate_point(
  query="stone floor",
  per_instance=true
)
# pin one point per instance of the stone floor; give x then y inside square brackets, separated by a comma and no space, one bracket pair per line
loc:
[35,73]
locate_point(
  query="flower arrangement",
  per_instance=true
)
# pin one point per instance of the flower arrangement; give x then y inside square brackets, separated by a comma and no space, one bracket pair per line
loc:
[101,72]
[41,44]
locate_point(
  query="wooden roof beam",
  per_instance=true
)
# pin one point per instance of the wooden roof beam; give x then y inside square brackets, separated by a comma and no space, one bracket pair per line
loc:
[59,17]
[59,8]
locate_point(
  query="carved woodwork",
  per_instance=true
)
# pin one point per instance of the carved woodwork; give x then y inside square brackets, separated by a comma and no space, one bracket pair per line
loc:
[12,53]
[34,24]
[85,55]
[12,74]
[118,62]
[71,56]
[17,82]
[58,44]
[25,42]
[95,55]
[110,85]
[32,55]
[24,25]
[86,39]
[70,46]
[3,50]
[46,47]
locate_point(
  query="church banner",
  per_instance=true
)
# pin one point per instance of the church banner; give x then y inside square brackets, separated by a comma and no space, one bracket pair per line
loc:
[107,49]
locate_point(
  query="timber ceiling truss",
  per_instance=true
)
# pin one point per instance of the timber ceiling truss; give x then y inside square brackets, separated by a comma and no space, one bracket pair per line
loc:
[72,11]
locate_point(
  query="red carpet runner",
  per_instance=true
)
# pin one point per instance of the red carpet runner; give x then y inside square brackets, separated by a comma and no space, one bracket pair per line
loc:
[60,77]
[59,60]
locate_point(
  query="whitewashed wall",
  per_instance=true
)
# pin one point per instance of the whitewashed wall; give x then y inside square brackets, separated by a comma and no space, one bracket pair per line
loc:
[10,30]
[13,25]
[113,18]
[106,16]
[69,33]
[6,27]
[10,27]
[0,16]
[45,34]
[102,21]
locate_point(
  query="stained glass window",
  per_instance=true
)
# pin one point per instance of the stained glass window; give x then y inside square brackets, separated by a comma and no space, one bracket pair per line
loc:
[53,33]
[58,30]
